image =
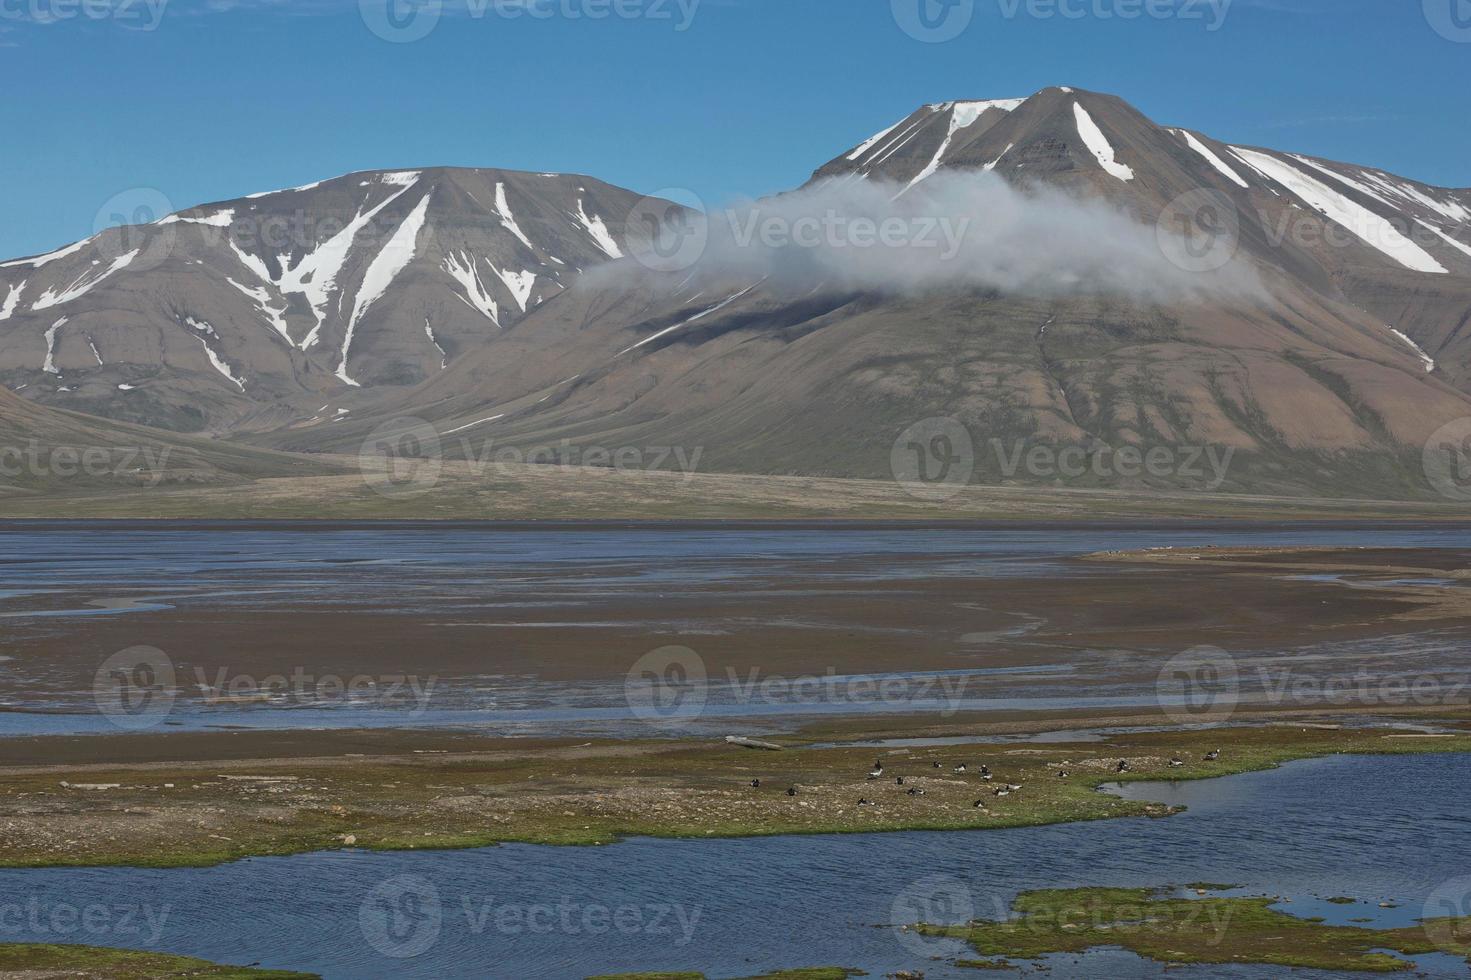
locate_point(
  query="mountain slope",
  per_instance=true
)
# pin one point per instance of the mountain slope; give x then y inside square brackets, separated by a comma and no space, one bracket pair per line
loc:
[1330,387]
[45,450]
[293,305]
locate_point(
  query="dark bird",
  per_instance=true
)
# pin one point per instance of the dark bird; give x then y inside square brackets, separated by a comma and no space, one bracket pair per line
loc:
[1212,755]
[985,770]
[915,791]
[1002,791]
[1176,762]
[899,780]
[791,791]
[756,783]
[960,768]
[937,765]
[863,802]
[980,804]
[1062,774]
[1123,765]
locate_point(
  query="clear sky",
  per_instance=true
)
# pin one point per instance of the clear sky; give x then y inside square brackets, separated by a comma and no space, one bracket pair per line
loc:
[211,99]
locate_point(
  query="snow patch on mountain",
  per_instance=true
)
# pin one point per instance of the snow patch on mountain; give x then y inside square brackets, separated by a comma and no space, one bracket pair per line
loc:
[12,300]
[276,318]
[429,332]
[206,334]
[220,219]
[49,365]
[962,116]
[1372,229]
[462,267]
[1419,351]
[520,284]
[83,283]
[1098,144]
[1210,157]
[599,231]
[40,260]
[868,144]
[315,275]
[503,211]
[385,267]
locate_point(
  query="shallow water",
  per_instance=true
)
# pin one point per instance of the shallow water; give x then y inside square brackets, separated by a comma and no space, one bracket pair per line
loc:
[1372,828]
[55,579]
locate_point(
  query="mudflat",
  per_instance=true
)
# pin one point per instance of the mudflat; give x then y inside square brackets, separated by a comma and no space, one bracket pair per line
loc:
[1102,620]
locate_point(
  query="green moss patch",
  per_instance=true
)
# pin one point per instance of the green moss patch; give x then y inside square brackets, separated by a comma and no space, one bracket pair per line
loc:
[1206,930]
[123,964]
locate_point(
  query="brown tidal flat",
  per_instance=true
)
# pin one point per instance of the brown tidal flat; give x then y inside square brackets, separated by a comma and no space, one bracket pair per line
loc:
[1106,618]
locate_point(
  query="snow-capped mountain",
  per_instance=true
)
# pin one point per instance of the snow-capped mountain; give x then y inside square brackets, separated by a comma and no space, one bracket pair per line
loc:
[455,296]
[282,307]
[1330,381]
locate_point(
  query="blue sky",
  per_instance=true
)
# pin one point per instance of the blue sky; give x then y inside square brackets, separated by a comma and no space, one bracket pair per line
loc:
[227,97]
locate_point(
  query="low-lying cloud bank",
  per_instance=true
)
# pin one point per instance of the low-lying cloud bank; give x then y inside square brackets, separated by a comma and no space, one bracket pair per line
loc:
[954,230]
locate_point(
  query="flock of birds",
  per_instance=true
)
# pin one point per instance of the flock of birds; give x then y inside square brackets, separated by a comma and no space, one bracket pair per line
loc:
[1003,789]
